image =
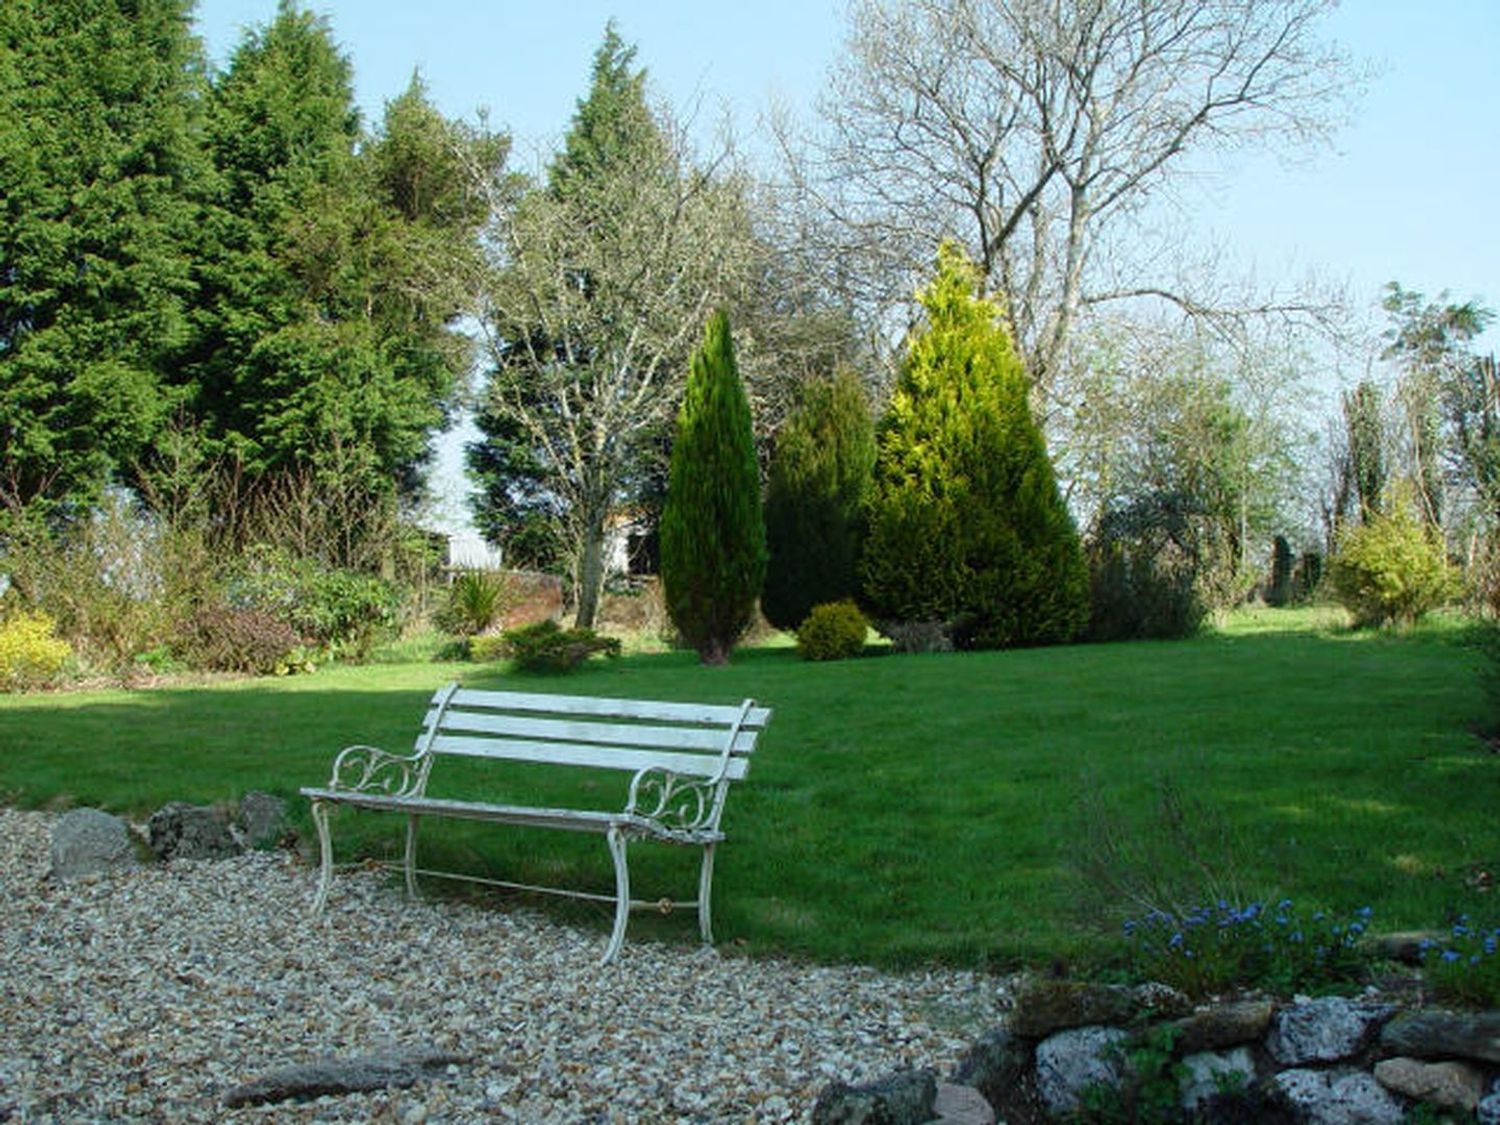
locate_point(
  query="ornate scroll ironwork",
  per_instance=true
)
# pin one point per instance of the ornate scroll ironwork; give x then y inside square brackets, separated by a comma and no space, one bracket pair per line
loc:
[367,769]
[677,803]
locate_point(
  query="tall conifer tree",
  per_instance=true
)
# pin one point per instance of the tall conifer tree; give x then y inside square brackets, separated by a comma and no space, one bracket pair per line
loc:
[100,173]
[818,484]
[335,267]
[713,537]
[968,527]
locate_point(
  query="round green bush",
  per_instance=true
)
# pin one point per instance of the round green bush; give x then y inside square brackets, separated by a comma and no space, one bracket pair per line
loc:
[832,631]
[548,647]
[1391,569]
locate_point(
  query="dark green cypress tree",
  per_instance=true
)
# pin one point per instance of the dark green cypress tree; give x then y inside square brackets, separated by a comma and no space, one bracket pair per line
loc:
[968,528]
[101,178]
[713,536]
[818,484]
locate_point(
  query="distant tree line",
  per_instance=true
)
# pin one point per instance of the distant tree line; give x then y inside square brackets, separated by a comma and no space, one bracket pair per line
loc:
[233,315]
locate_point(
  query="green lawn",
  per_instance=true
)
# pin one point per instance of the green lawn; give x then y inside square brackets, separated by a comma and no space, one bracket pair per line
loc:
[916,809]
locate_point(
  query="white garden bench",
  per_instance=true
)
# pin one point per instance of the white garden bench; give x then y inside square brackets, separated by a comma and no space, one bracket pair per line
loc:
[682,758]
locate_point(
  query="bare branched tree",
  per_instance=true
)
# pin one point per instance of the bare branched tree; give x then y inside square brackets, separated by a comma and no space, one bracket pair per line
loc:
[1030,129]
[600,294]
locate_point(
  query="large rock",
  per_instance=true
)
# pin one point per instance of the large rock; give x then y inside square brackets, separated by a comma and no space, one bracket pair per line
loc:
[344,1076]
[1325,1030]
[262,818]
[1071,1061]
[994,1065]
[1435,1035]
[1338,1097]
[907,1097]
[182,831]
[1209,1073]
[1447,1085]
[87,842]
[961,1105]
[1224,1025]
[1045,1006]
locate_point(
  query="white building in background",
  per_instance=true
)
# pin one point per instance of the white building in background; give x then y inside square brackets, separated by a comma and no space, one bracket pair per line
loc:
[467,550]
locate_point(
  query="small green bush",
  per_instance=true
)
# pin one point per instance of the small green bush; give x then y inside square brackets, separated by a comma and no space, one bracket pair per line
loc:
[832,631]
[342,612]
[1391,569]
[31,654]
[486,647]
[548,647]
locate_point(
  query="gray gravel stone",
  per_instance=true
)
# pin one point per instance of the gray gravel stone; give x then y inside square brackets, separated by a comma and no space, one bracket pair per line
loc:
[149,995]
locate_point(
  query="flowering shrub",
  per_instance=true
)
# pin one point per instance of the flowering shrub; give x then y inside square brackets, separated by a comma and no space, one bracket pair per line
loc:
[1214,948]
[1465,967]
[31,654]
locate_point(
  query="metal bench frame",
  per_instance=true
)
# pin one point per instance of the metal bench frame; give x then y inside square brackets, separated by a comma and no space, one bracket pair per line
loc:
[683,757]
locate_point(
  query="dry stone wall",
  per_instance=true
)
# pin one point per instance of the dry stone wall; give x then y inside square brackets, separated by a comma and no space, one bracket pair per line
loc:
[1327,1061]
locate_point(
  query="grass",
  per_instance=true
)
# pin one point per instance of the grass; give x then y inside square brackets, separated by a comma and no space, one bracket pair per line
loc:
[988,810]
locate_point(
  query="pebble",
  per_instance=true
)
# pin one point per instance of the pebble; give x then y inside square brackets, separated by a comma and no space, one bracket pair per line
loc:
[149,994]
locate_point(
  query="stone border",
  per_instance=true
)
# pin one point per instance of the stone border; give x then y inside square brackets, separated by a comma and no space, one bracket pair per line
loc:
[1331,1059]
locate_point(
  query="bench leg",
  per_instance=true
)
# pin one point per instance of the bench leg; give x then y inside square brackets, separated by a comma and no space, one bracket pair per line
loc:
[409,860]
[325,851]
[617,846]
[705,889]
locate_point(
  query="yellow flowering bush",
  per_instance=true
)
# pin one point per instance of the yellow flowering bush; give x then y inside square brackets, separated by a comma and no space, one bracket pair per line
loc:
[31,654]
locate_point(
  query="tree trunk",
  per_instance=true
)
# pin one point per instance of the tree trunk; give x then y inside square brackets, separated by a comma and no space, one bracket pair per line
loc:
[590,576]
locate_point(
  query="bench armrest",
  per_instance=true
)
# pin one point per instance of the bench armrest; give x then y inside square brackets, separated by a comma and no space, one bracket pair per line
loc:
[677,801]
[366,769]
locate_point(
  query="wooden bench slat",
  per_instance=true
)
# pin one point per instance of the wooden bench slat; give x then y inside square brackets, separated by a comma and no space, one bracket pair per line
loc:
[572,820]
[710,740]
[705,713]
[581,754]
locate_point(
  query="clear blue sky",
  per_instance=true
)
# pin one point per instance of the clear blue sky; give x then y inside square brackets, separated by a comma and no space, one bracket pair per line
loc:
[1407,192]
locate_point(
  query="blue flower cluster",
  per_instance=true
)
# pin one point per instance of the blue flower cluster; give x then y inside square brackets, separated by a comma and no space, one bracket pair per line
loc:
[1466,965]
[1228,945]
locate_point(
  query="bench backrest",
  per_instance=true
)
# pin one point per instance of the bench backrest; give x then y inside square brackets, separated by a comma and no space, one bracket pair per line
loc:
[694,739]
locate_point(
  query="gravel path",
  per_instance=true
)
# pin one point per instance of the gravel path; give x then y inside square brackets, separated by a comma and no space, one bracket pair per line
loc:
[149,996]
